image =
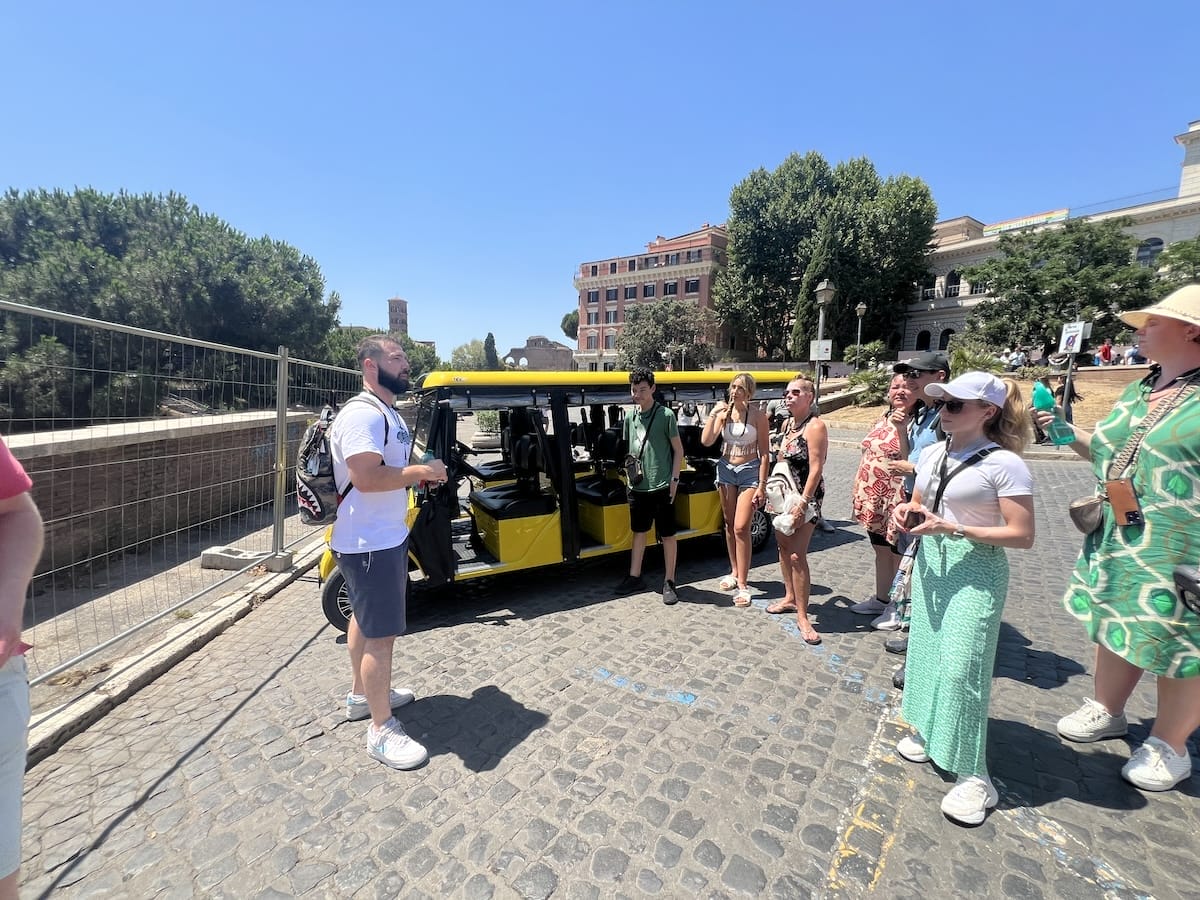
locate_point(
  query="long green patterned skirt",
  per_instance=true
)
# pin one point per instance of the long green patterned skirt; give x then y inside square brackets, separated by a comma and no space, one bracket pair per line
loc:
[958,592]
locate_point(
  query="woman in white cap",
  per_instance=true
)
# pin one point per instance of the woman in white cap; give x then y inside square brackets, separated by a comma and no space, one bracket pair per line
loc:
[1123,588]
[973,498]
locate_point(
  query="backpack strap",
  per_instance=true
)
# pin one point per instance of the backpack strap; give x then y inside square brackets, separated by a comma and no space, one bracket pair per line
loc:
[386,432]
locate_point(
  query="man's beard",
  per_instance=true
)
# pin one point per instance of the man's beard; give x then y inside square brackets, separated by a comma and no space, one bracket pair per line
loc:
[395,384]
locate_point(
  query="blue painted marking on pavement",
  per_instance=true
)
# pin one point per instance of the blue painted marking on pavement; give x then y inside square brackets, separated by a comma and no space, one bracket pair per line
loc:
[603,675]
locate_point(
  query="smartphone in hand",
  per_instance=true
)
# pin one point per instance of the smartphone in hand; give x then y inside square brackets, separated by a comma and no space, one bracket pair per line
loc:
[914,518]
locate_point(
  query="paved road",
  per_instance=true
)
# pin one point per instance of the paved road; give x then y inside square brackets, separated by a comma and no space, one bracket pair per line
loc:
[588,747]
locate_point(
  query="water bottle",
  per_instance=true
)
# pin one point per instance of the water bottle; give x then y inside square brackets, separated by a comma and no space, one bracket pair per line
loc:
[1058,431]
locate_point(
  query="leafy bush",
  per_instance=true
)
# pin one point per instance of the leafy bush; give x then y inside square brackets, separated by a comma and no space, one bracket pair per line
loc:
[876,350]
[969,353]
[487,420]
[874,384]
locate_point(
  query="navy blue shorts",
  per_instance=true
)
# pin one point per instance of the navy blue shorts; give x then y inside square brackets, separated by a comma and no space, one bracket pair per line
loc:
[655,508]
[377,583]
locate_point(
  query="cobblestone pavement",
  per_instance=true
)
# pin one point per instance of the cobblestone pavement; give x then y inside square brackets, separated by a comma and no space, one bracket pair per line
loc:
[583,746]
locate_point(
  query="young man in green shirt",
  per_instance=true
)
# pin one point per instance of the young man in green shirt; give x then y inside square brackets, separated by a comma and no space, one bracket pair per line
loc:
[652,435]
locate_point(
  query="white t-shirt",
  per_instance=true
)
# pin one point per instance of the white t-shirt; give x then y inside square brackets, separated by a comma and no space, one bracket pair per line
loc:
[375,520]
[972,497]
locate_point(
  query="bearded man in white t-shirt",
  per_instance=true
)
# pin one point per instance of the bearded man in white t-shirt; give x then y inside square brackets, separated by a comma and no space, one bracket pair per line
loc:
[371,449]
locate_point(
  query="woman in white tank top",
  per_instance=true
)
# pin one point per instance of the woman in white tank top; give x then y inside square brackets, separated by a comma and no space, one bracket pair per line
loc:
[741,475]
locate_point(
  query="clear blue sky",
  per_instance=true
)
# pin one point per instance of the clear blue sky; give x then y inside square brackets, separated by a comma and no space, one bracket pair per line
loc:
[469,156]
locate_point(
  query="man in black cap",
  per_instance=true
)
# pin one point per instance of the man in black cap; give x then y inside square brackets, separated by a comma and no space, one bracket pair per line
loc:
[919,372]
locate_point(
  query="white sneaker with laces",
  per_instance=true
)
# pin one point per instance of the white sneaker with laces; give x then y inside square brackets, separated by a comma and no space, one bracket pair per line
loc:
[1092,722]
[888,620]
[357,709]
[392,746]
[872,606]
[912,748]
[970,799]
[1155,766]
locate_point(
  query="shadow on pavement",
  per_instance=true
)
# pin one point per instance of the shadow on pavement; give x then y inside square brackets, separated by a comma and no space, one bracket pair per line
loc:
[1041,668]
[480,730]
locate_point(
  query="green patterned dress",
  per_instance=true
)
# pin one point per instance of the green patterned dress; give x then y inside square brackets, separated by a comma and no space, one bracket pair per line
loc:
[1122,588]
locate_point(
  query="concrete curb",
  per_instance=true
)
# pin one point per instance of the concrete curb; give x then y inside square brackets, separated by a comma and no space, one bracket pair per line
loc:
[128,675]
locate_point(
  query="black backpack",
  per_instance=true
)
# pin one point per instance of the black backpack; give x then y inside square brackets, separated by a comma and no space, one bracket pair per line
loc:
[317,494]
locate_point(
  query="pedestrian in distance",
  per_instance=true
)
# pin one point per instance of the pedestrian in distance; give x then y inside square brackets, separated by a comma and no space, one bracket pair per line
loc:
[20,548]
[1123,589]
[371,449]
[973,498]
[803,442]
[652,436]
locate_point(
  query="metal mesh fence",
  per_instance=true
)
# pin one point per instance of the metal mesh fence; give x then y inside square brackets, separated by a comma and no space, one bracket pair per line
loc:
[145,450]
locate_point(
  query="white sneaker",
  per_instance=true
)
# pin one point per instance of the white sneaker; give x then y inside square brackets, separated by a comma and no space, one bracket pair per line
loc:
[888,620]
[1155,766]
[393,747]
[872,606]
[969,800]
[1092,722]
[356,704]
[912,748]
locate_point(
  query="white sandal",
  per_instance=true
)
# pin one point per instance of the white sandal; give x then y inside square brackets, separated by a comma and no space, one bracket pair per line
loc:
[728,583]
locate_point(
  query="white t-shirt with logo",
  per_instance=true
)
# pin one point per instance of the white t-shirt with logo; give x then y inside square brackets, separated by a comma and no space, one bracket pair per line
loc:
[375,520]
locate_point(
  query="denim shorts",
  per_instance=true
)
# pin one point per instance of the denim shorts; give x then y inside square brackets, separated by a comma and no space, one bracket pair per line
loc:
[377,583]
[14,713]
[742,476]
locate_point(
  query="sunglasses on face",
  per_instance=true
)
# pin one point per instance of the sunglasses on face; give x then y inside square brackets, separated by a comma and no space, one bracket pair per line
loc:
[950,406]
[913,375]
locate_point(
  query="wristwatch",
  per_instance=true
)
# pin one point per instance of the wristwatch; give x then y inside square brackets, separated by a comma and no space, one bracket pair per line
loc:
[960,531]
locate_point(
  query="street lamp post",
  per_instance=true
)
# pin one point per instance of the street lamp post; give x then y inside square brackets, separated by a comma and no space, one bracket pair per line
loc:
[861,309]
[824,291]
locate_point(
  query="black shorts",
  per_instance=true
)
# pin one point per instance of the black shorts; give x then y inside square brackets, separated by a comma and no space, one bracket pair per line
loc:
[878,540]
[655,508]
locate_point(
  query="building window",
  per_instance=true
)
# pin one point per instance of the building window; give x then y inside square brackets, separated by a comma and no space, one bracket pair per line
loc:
[980,288]
[610,317]
[595,271]
[691,286]
[612,268]
[610,294]
[610,342]
[694,255]
[650,262]
[953,284]
[591,342]
[672,259]
[944,340]
[670,288]
[594,296]
[1148,251]
[632,265]
[923,340]
[593,317]
[647,290]
[631,292]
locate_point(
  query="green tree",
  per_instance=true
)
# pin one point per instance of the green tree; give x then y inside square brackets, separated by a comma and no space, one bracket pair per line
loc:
[805,221]
[669,331]
[1081,271]
[570,324]
[491,360]
[469,356]
[1179,264]
[422,358]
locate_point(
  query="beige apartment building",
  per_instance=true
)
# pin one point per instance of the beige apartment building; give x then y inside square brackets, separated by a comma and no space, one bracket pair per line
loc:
[941,305]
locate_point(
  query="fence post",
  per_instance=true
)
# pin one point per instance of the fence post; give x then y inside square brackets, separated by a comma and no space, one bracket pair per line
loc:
[280,559]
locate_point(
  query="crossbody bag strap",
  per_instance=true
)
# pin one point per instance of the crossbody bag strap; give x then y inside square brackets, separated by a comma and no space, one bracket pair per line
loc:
[1133,443]
[946,476]
[646,434]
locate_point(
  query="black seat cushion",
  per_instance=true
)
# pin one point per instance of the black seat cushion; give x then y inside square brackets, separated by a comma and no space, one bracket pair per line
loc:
[601,491]
[508,502]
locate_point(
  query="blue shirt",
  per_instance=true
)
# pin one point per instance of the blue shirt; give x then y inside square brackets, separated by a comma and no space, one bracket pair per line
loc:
[922,433]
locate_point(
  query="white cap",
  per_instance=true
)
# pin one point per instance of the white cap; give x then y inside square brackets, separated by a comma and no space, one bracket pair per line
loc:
[971,386]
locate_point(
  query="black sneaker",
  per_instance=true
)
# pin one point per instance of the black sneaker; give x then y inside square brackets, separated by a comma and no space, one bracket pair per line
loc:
[631,584]
[898,644]
[898,678]
[669,596]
